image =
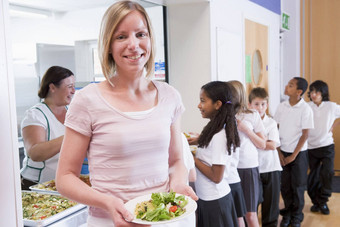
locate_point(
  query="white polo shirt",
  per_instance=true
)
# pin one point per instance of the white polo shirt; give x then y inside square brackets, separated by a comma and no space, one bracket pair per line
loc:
[324,116]
[292,120]
[214,154]
[231,173]
[269,159]
[249,157]
[187,155]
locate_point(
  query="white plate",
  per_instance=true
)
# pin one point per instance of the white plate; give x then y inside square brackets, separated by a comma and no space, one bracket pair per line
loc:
[131,206]
[193,147]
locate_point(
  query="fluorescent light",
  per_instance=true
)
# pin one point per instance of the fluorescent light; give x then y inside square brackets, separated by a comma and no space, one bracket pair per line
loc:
[15,13]
[28,12]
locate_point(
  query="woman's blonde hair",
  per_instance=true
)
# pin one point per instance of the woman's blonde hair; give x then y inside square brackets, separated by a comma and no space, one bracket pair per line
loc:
[241,95]
[111,19]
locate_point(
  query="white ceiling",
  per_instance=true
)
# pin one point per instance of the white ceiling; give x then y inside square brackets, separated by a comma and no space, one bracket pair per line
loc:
[67,5]
[60,5]
[70,5]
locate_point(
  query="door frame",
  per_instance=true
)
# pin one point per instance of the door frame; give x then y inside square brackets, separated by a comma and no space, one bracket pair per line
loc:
[10,195]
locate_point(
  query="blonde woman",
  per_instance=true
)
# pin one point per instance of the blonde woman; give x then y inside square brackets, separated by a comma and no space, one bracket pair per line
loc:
[128,126]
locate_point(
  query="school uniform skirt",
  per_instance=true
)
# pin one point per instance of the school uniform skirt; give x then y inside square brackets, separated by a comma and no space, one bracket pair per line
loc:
[238,197]
[217,213]
[250,181]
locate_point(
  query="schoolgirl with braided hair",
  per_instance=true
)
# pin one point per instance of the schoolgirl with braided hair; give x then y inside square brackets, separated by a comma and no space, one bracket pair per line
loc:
[215,143]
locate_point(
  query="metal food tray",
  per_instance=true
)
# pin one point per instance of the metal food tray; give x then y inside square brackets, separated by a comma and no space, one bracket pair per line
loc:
[33,187]
[44,191]
[55,217]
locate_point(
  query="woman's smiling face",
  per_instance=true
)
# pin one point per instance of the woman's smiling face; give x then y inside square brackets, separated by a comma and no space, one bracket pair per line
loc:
[65,90]
[131,45]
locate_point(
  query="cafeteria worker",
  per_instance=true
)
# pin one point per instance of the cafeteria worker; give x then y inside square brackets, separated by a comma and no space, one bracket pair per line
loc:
[43,127]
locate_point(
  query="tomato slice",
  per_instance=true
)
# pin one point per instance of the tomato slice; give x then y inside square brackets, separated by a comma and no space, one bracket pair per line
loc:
[173,209]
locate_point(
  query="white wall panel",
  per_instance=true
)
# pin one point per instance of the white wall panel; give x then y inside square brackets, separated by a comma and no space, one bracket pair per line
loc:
[291,44]
[10,192]
[229,15]
[189,48]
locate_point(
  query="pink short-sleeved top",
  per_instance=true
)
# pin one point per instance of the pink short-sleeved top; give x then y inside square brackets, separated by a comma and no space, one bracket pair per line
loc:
[127,157]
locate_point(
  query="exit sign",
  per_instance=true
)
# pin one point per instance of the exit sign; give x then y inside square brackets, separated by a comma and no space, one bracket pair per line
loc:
[285,21]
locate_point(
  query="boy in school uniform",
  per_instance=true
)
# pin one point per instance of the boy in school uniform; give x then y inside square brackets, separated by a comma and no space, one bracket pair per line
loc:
[294,118]
[269,162]
[321,146]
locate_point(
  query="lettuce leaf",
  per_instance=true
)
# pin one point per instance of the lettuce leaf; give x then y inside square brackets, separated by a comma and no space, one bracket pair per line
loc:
[160,210]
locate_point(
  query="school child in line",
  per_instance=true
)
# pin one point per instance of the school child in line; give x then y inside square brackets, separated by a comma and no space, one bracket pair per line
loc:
[190,166]
[269,161]
[294,118]
[215,143]
[232,176]
[188,160]
[321,146]
[252,136]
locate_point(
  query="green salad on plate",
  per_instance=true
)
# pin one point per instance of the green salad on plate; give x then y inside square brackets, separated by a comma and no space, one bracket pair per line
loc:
[161,206]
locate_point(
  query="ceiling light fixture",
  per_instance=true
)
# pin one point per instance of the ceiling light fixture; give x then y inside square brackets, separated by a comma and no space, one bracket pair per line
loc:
[28,12]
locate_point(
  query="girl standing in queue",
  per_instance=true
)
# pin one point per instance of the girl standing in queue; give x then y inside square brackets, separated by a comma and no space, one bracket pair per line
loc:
[215,143]
[128,126]
[232,175]
[252,136]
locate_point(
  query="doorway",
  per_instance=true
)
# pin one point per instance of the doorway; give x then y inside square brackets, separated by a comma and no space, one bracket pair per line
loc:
[256,54]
